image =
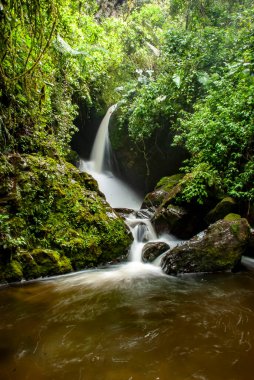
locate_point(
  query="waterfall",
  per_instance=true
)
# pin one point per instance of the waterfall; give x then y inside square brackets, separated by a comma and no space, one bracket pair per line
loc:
[120,195]
[101,147]
[143,232]
[117,192]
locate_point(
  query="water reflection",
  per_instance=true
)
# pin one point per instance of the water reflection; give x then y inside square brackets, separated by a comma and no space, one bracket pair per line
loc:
[129,323]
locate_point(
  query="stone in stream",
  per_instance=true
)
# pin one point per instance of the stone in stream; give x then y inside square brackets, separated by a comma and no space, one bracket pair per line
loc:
[178,221]
[250,247]
[145,213]
[155,198]
[219,248]
[153,250]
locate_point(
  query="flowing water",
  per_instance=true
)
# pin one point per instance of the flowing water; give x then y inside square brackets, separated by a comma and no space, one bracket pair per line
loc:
[117,192]
[129,322]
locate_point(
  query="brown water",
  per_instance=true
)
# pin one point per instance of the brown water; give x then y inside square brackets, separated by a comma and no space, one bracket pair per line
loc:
[129,324]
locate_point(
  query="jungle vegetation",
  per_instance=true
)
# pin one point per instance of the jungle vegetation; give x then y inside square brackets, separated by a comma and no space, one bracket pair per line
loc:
[183,65]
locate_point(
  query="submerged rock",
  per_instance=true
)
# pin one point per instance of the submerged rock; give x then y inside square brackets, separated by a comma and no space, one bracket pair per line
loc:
[153,250]
[219,248]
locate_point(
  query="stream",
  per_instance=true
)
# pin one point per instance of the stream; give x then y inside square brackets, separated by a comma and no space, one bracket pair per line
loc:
[129,321]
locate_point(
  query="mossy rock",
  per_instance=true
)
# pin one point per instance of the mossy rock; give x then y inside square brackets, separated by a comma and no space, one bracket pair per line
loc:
[11,272]
[154,199]
[223,208]
[166,183]
[219,249]
[57,215]
[162,192]
[44,262]
[153,250]
[231,217]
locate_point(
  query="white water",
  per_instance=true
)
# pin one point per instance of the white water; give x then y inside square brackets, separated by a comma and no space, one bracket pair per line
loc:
[120,195]
[117,192]
[101,142]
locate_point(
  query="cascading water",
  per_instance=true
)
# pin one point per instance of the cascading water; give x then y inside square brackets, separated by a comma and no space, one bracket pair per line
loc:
[129,322]
[117,192]
[101,147]
[120,195]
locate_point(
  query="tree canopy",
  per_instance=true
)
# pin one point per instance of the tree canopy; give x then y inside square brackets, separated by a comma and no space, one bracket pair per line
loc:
[182,65]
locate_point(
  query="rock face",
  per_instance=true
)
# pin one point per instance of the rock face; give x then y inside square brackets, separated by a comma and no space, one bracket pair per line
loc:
[144,166]
[220,248]
[153,250]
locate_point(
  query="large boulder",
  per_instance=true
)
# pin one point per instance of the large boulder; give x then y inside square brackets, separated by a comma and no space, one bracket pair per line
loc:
[219,248]
[53,219]
[153,250]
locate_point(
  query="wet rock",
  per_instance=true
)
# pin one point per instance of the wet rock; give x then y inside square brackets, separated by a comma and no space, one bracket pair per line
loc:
[153,250]
[166,218]
[155,198]
[145,213]
[165,190]
[44,262]
[178,221]
[124,212]
[250,246]
[220,248]
[224,207]
[54,219]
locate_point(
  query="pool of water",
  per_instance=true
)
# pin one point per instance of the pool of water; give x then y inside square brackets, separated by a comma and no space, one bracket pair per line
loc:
[129,323]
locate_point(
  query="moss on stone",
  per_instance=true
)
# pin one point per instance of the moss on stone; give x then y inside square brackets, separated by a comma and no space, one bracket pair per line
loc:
[220,248]
[54,219]
[231,217]
[166,183]
[11,272]
[226,206]
[44,262]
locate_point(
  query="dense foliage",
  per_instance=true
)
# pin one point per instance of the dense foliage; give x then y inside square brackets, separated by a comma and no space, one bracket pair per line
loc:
[201,89]
[184,67]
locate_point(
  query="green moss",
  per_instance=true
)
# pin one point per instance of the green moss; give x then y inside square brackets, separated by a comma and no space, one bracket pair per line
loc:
[221,210]
[11,271]
[59,211]
[166,183]
[231,217]
[44,262]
